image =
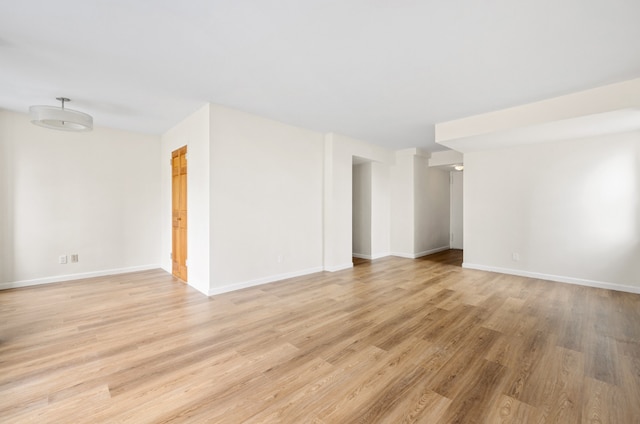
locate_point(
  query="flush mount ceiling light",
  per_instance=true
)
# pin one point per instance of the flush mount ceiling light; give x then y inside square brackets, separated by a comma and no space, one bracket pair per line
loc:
[59,118]
[458,167]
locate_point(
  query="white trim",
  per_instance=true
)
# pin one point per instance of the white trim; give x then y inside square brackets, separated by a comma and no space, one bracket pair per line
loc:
[80,276]
[432,251]
[338,267]
[197,288]
[370,257]
[557,278]
[259,281]
[361,256]
[420,254]
[403,255]
[191,283]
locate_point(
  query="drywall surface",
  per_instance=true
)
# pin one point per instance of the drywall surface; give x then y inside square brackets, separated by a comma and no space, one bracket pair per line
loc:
[597,103]
[338,164]
[94,194]
[419,206]
[361,222]
[431,202]
[403,204]
[456,208]
[192,132]
[446,158]
[568,211]
[380,210]
[266,185]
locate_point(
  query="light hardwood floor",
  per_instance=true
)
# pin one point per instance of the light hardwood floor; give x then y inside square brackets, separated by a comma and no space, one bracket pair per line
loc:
[393,340]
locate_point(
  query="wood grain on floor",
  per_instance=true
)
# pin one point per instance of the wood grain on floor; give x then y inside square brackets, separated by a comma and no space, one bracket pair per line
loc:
[392,341]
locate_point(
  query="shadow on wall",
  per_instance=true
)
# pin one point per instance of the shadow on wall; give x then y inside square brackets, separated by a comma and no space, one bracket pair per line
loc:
[585,209]
[7,214]
[617,182]
[611,195]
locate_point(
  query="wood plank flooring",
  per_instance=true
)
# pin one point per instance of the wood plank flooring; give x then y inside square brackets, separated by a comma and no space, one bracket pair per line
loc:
[391,341]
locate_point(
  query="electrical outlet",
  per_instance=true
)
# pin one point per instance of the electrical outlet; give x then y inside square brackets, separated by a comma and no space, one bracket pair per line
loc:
[515,257]
[280,258]
[74,258]
[62,259]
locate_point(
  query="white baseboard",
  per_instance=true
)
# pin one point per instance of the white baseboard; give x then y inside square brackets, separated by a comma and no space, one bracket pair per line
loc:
[370,257]
[432,251]
[79,276]
[420,254]
[259,281]
[557,278]
[338,267]
[403,255]
[361,256]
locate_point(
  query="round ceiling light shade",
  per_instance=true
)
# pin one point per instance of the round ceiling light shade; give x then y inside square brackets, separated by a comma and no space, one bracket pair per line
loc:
[59,118]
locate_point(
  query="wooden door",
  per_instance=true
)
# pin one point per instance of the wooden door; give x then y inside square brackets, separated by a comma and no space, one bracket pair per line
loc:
[179,212]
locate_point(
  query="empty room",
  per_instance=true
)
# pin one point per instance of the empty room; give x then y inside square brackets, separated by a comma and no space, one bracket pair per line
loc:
[320,212]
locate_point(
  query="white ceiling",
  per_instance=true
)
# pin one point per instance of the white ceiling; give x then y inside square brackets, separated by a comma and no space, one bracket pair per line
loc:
[384,71]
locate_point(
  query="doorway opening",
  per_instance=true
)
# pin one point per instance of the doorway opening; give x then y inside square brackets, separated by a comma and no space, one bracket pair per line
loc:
[361,211]
[456,210]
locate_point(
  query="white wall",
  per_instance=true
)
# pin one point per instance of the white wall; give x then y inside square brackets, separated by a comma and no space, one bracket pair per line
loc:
[94,194]
[338,163]
[431,216]
[419,206]
[380,210]
[569,210]
[266,200]
[194,133]
[456,210]
[361,222]
[446,158]
[279,198]
[403,204]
